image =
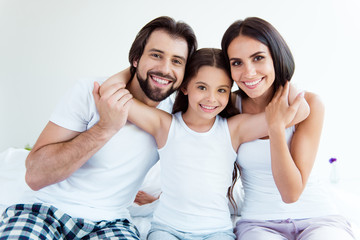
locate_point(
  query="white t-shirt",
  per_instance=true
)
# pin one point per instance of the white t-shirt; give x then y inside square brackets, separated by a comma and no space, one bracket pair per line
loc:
[196,172]
[107,183]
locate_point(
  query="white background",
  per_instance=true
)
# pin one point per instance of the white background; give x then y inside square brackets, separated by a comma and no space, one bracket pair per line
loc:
[46,45]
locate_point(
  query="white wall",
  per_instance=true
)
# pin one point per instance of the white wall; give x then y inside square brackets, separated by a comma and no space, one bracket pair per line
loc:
[46,45]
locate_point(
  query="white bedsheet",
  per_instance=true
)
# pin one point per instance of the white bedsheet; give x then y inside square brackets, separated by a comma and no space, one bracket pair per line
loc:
[13,189]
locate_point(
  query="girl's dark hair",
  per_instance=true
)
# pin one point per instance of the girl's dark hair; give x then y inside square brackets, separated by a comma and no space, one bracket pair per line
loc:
[203,57]
[264,32]
[175,29]
[235,176]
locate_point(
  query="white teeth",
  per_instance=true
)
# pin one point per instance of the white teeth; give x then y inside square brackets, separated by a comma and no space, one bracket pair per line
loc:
[208,107]
[161,81]
[252,83]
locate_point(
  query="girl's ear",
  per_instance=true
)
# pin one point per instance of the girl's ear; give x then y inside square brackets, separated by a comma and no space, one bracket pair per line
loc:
[184,91]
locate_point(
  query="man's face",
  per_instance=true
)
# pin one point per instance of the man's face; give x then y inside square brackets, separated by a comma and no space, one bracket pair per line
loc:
[160,69]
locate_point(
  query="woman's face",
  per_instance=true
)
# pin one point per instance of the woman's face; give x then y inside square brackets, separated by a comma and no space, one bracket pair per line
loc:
[252,66]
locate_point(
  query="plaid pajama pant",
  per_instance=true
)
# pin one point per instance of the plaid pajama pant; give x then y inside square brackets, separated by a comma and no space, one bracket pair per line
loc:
[41,221]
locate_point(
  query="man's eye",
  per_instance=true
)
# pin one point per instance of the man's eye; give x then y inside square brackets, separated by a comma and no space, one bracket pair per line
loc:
[155,55]
[177,62]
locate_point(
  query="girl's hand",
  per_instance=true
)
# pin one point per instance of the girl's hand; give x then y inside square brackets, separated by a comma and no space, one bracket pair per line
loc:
[113,107]
[144,198]
[119,80]
[279,114]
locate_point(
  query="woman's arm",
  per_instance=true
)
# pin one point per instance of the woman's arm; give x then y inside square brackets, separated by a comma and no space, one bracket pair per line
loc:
[291,168]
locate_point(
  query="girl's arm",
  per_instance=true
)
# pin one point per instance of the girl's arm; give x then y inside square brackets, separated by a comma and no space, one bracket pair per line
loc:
[118,80]
[247,127]
[291,168]
[152,120]
[304,109]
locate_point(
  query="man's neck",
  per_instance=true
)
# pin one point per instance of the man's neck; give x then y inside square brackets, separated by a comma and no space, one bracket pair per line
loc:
[138,93]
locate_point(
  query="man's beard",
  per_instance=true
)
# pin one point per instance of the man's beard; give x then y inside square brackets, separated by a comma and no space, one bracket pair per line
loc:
[155,94]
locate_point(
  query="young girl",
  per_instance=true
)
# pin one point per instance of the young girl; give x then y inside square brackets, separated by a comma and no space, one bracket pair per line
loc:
[282,200]
[197,147]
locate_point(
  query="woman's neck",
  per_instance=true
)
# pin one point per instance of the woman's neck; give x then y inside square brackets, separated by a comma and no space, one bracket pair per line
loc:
[257,105]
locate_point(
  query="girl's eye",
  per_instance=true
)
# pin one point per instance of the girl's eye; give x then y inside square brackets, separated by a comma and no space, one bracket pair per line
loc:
[258,58]
[201,87]
[222,90]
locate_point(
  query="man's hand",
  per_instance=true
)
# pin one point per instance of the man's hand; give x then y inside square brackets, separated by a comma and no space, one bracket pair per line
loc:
[113,106]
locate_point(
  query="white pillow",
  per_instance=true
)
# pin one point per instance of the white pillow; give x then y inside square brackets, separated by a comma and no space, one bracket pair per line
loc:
[13,188]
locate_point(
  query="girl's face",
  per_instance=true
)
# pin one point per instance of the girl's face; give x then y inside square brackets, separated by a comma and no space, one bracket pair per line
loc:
[208,92]
[252,66]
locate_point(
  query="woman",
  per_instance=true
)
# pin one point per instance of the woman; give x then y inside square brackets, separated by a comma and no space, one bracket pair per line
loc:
[282,200]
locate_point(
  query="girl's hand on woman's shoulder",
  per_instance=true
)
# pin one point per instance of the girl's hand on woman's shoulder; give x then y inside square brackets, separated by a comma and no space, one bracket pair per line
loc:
[279,114]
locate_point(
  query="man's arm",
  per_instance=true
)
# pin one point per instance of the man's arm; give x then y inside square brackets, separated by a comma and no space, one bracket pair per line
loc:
[59,152]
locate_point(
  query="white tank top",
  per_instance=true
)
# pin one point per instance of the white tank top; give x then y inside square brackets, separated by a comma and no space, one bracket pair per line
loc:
[262,199]
[196,171]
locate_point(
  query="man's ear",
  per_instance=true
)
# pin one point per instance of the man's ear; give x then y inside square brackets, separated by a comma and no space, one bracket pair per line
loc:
[135,63]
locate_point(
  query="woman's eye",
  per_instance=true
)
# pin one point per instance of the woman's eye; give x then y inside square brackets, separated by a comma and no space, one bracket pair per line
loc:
[222,90]
[201,87]
[258,58]
[236,63]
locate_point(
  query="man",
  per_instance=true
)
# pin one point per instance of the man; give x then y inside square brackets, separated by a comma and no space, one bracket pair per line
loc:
[88,162]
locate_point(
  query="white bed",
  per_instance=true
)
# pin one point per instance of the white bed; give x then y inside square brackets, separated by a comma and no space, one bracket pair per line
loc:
[13,189]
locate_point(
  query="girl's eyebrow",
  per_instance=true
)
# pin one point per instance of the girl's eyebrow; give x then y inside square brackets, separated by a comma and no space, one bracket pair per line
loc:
[203,83]
[200,82]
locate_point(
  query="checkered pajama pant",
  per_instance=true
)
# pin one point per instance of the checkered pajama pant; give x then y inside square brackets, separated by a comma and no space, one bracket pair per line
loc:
[41,221]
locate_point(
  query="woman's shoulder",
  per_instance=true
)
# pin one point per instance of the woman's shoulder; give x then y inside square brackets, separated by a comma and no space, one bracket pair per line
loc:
[314,100]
